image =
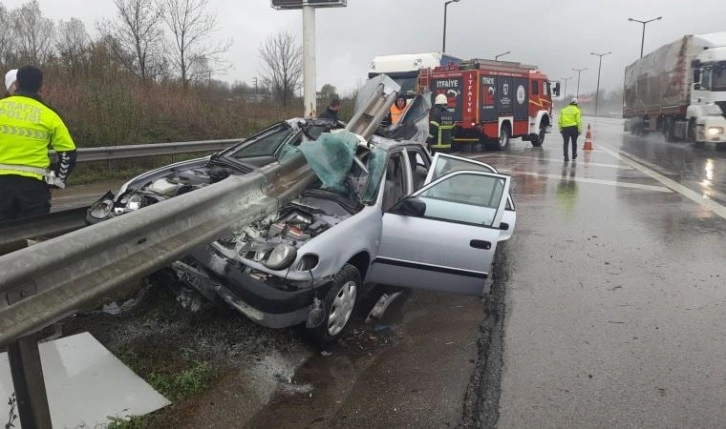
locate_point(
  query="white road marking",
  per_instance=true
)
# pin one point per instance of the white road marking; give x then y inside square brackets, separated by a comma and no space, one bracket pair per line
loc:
[672,184]
[598,182]
[596,164]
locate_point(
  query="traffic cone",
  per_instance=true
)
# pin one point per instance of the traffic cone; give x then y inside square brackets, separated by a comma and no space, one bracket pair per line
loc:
[588,139]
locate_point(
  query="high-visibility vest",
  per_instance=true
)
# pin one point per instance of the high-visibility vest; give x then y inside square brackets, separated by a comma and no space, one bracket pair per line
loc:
[27,128]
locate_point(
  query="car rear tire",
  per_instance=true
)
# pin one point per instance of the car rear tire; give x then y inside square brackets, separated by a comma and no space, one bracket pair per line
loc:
[338,304]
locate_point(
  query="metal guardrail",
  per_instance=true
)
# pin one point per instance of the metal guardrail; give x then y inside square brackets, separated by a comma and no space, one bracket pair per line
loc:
[61,275]
[14,233]
[110,153]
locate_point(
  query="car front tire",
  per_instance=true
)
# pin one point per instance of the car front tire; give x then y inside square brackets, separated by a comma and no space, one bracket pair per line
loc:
[338,304]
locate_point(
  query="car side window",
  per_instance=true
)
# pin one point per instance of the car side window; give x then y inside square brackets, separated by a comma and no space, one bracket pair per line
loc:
[395,183]
[419,167]
[265,144]
[464,198]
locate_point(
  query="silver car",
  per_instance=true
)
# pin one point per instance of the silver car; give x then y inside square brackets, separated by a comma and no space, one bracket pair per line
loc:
[400,218]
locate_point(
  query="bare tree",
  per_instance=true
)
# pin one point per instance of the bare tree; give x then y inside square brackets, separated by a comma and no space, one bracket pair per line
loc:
[191,26]
[7,47]
[33,32]
[73,43]
[282,61]
[137,37]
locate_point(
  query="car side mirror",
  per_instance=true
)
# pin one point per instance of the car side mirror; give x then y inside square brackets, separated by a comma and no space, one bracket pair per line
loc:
[410,207]
[556,90]
[504,226]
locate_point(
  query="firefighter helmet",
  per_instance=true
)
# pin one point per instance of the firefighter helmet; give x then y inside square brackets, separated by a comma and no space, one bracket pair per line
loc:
[440,99]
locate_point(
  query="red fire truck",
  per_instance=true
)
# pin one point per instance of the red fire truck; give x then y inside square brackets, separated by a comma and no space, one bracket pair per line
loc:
[494,101]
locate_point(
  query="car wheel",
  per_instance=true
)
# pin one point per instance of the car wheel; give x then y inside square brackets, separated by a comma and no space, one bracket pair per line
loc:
[338,304]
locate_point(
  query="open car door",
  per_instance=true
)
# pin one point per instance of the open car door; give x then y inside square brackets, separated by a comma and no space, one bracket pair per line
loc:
[443,237]
[444,163]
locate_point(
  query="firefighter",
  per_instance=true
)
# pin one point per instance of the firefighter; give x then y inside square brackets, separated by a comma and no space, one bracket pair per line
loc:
[441,125]
[570,124]
[27,128]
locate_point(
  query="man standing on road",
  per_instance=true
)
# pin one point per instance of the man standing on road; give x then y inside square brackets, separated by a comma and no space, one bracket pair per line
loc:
[27,128]
[441,125]
[570,124]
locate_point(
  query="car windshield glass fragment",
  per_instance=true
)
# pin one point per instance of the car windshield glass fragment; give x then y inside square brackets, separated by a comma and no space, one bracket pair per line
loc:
[464,198]
[264,144]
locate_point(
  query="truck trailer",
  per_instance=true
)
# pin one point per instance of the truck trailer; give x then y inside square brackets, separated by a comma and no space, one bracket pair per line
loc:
[404,68]
[680,90]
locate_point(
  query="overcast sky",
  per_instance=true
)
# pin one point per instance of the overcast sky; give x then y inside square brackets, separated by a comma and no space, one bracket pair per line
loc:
[556,35]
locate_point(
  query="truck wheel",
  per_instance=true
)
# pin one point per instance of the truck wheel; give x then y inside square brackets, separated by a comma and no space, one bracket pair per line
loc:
[693,134]
[338,305]
[538,139]
[668,130]
[503,141]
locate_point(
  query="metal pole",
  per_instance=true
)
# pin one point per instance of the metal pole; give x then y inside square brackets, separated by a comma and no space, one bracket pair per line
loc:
[642,41]
[578,80]
[599,68]
[27,374]
[309,85]
[446,7]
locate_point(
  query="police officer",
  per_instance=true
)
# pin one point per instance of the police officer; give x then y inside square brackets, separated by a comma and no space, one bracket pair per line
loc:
[570,124]
[441,125]
[27,128]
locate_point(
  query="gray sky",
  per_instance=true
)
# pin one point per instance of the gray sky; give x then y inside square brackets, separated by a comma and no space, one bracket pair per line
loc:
[556,35]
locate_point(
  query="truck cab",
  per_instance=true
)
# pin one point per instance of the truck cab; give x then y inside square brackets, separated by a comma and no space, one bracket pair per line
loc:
[404,68]
[708,96]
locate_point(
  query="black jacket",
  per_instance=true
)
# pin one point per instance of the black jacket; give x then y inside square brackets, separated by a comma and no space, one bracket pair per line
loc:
[329,114]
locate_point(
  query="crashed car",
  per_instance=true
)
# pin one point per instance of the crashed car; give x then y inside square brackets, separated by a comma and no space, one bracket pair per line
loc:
[387,215]
[261,149]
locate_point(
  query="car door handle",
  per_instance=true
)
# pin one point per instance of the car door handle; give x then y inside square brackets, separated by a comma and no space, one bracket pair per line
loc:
[480,244]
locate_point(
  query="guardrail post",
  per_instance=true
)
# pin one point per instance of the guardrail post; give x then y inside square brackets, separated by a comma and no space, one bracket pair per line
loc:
[26,370]
[30,394]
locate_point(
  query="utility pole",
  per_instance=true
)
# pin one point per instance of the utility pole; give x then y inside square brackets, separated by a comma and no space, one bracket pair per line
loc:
[599,67]
[642,40]
[496,57]
[578,80]
[564,94]
[446,6]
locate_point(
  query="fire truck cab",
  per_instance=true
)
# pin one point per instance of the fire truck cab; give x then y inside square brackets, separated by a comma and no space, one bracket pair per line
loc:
[494,101]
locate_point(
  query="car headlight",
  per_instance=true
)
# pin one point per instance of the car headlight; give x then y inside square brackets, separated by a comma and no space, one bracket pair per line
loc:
[714,131]
[282,256]
[101,209]
[134,202]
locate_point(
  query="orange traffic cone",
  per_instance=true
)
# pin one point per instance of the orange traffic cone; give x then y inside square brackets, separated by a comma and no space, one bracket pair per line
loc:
[588,139]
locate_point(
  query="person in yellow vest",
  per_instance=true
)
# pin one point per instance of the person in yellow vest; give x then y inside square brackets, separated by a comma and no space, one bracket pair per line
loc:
[398,108]
[570,124]
[27,128]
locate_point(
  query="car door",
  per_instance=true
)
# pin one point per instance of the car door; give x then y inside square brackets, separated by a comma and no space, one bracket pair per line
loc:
[444,163]
[443,237]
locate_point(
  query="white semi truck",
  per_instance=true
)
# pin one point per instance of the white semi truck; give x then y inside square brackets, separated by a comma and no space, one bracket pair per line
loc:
[680,90]
[404,68]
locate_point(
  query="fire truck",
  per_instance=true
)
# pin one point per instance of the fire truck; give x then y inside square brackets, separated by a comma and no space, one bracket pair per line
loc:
[494,101]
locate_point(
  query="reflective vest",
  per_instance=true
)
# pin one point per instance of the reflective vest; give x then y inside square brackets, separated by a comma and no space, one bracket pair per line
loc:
[570,117]
[27,128]
[396,113]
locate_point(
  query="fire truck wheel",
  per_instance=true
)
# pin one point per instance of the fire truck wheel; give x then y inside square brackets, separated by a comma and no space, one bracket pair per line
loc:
[538,139]
[504,137]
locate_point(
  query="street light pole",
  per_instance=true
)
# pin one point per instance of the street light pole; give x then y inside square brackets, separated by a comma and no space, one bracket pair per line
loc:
[496,58]
[446,7]
[642,40]
[599,67]
[578,80]
[564,94]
